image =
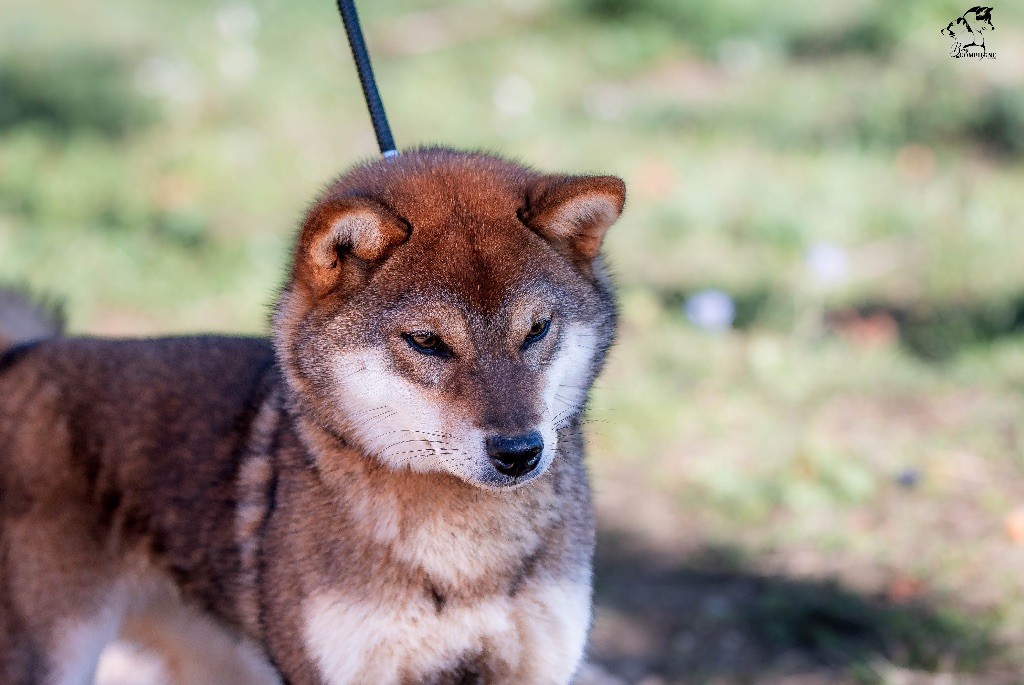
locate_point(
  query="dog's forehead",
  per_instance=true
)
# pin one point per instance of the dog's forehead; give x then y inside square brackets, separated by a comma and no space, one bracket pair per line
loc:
[440,195]
[467,241]
[482,263]
[429,187]
[451,302]
[468,244]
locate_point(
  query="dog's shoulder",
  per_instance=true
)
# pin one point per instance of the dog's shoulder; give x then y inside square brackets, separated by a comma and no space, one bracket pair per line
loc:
[107,367]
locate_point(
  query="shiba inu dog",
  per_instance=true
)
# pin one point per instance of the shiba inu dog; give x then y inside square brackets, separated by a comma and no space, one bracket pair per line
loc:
[391,490]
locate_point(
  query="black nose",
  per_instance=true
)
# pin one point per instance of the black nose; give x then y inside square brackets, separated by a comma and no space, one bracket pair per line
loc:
[515,456]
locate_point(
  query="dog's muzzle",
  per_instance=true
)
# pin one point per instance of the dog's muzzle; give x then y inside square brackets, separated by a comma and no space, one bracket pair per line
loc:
[515,456]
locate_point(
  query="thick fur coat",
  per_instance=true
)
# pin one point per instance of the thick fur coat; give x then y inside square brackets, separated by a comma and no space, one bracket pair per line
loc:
[390,490]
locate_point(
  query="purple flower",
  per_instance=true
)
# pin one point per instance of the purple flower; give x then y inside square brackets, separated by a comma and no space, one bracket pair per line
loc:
[828,263]
[908,478]
[710,310]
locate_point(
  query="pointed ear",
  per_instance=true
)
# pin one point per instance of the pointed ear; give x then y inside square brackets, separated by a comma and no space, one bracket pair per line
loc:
[574,212]
[343,237]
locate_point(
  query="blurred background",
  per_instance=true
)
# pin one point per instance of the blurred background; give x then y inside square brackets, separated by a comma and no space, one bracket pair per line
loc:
[808,447]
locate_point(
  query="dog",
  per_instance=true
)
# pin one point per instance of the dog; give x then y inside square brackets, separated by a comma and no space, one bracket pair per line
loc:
[391,489]
[968,30]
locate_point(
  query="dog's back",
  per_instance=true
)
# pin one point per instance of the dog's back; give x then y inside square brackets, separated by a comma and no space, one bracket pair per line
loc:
[107,447]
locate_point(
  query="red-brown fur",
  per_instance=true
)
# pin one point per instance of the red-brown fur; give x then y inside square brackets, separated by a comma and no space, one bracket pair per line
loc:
[251,482]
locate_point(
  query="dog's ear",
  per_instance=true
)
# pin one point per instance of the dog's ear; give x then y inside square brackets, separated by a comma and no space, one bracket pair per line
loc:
[345,237]
[574,212]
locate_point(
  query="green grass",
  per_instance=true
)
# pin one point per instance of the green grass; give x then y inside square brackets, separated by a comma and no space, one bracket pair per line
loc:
[155,158]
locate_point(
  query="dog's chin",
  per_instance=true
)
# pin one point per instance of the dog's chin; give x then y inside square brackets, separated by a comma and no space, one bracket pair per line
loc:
[497,482]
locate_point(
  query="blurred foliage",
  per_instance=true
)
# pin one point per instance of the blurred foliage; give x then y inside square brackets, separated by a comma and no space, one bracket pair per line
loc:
[841,625]
[886,105]
[68,92]
[801,27]
[999,121]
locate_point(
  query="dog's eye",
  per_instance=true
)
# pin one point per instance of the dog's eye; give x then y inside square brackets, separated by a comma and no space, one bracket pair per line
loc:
[536,332]
[427,343]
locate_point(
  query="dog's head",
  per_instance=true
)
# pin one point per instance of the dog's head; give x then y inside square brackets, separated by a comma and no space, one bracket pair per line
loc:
[448,311]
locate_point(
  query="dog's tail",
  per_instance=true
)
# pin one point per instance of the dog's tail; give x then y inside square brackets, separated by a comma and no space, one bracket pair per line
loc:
[24,318]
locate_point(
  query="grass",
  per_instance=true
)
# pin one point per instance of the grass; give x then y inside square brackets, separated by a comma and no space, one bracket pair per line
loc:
[856,435]
[721,621]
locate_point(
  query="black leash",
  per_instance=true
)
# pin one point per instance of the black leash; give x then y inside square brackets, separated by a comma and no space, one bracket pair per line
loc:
[347,8]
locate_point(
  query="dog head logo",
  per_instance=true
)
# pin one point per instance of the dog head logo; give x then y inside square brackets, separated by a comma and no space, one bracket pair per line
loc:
[968,33]
[448,311]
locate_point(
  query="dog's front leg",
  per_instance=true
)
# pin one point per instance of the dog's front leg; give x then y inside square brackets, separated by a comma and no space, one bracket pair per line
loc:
[554,621]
